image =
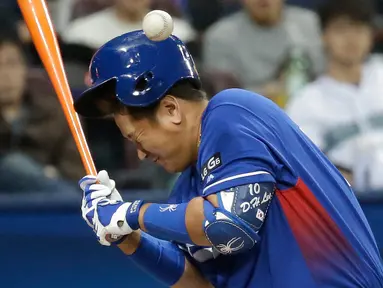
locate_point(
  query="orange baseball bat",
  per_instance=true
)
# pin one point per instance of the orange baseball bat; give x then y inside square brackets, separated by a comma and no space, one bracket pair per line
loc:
[40,26]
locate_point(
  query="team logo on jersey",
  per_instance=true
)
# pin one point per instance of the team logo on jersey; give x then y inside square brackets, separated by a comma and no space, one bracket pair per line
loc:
[211,164]
[210,178]
[169,208]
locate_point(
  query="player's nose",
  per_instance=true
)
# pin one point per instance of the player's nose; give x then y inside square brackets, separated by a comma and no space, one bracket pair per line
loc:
[141,155]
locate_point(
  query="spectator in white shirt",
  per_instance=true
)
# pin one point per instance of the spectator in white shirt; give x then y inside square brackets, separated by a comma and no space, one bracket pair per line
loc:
[342,111]
[125,15]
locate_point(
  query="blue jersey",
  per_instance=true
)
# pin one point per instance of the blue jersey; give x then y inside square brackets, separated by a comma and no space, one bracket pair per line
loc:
[315,233]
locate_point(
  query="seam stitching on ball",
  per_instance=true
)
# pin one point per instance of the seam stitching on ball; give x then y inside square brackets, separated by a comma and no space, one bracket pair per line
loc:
[166,24]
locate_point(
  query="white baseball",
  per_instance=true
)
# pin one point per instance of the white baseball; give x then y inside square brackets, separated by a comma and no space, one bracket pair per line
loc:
[158,25]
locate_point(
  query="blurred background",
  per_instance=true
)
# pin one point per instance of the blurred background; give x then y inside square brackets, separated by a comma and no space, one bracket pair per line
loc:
[319,60]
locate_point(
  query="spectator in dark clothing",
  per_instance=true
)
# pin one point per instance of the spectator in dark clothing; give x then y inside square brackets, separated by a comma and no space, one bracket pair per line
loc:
[37,152]
[205,13]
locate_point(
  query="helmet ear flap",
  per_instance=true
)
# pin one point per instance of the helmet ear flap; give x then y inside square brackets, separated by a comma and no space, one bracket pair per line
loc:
[137,86]
[143,83]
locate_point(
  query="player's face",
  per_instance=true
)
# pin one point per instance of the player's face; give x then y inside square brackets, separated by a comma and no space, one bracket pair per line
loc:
[265,12]
[162,140]
[347,42]
[12,74]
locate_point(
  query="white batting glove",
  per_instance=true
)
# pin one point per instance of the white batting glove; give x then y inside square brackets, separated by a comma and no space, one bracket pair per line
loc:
[110,220]
[96,187]
[103,208]
[103,178]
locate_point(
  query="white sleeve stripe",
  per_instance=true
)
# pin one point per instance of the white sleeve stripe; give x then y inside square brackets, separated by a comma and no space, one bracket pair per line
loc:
[233,178]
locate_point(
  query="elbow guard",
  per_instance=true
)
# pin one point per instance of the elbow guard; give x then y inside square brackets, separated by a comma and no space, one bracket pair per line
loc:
[226,233]
[233,227]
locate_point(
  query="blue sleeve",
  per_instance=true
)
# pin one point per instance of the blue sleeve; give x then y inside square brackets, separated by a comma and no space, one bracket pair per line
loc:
[233,150]
[184,188]
[161,259]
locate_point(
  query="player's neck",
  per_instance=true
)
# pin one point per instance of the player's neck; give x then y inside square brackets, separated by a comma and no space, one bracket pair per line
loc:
[195,121]
[345,73]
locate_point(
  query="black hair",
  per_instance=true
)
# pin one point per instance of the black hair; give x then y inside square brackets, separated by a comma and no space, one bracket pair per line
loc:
[361,11]
[185,89]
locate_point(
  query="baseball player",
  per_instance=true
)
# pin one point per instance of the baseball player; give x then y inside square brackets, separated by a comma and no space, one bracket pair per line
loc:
[257,203]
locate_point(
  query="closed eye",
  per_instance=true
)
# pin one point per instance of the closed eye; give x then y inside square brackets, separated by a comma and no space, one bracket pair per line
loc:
[129,136]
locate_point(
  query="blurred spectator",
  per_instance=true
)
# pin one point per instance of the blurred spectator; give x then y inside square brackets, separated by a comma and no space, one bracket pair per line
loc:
[65,11]
[309,4]
[214,82]
[124,16]
[37,152]
[205,13]
[254,43]
[171,6]
[342,111]
[379,28]
[10,16]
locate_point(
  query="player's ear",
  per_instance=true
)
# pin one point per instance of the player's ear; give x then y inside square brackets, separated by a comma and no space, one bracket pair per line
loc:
[169,110]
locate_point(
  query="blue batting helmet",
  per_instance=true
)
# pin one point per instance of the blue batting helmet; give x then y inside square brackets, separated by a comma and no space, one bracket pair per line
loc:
[141,71]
